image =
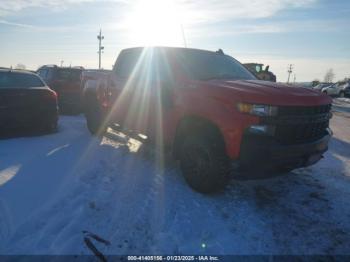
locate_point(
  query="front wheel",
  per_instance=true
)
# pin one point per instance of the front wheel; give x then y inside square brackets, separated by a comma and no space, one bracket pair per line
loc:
[204,163]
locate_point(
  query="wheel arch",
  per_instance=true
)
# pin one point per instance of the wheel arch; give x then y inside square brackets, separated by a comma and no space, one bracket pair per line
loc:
[190,124]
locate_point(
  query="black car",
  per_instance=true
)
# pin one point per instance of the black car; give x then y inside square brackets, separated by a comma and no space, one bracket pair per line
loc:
[26,102]
[66,82]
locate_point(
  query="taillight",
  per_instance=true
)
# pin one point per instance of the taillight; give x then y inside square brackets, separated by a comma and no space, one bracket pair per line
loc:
[51,94]
[54,94]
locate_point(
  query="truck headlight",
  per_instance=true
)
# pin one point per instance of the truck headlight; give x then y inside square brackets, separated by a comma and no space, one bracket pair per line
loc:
[258,110]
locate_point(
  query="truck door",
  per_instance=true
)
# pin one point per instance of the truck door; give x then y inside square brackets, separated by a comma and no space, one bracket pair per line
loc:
[152,95]
[141,93]
[122,85]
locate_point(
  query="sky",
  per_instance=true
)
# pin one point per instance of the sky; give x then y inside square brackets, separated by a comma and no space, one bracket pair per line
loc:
[313,35]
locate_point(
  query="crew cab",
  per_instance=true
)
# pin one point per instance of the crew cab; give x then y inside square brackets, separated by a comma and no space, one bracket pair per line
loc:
[211,112]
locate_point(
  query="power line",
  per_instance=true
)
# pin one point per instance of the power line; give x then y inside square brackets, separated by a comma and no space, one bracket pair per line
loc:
[100,37]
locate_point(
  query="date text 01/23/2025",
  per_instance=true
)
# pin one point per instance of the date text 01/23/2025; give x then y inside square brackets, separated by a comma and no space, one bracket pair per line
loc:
[173,258]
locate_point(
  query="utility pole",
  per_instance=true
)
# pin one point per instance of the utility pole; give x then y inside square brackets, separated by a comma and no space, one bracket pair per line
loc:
[295,78]
[100,37]
[290,70]
[62,63]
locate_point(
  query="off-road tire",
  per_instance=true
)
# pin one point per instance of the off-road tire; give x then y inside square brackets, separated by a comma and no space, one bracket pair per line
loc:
[95,121]
[204,162]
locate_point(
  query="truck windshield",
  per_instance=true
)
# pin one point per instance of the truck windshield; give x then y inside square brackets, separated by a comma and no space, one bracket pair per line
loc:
[19,80]
[202,65]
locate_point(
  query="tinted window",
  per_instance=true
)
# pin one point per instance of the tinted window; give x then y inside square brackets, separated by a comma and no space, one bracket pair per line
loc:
[68,74]
[161,68]
[19,80]
[203,65]
[43,73]
[127,63]
[50,73]
[148,64]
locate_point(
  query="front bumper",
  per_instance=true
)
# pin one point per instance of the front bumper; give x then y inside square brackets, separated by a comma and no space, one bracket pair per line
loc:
[265,153]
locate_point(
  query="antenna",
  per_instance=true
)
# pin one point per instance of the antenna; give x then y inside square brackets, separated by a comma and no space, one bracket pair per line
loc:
[183,35]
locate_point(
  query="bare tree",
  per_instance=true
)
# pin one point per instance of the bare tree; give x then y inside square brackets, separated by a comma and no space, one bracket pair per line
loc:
[315,82]
[328,78]
[20,66]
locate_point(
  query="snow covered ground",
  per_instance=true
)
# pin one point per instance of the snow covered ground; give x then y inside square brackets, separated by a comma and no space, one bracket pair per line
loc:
[341,105]
[55,186]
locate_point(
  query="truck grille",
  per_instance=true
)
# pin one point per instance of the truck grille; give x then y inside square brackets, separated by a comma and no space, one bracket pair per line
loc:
[295,125]
[303,110]
[294,134]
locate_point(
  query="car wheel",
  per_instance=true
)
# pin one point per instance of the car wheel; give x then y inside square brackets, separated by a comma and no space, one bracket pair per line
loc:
[95,121]
[204,163]
[325,92]
[341,94]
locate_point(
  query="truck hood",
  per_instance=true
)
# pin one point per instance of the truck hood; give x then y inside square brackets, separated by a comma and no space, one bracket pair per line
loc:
[263,92]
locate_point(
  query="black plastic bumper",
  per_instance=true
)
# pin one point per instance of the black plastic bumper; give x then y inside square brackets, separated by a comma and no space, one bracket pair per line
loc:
[262,152]
[27,117]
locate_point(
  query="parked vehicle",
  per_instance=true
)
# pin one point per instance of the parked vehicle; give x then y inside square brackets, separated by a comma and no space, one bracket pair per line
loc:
[26,101]
[320,86]
[66,81]
[92,74]
[260,72]
[211,112]
[335,89]
[346,89]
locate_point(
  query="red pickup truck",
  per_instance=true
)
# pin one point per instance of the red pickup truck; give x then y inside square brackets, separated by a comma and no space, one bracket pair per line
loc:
[211,112]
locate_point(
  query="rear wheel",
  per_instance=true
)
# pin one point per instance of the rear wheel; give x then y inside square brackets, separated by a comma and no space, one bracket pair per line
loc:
[95,120]
[204,163]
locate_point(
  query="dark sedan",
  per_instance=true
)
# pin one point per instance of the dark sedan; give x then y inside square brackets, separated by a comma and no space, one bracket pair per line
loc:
[26,102]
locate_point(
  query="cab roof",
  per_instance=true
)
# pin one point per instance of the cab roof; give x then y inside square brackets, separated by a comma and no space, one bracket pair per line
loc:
[171,48]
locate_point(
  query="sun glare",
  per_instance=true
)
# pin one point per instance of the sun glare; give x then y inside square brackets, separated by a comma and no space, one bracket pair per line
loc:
[155,22]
